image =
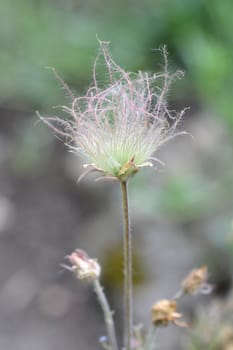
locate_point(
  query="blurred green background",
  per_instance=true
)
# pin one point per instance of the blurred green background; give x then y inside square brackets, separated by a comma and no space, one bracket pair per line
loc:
[44,214]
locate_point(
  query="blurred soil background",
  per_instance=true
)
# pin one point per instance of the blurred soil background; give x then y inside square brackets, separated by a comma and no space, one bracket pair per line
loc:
[182,214]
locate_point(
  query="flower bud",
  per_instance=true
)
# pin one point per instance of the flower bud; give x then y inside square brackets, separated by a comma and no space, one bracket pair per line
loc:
[82,266]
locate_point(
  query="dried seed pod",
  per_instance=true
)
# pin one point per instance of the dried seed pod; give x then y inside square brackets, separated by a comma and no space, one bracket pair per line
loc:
[164,312]
[196,282]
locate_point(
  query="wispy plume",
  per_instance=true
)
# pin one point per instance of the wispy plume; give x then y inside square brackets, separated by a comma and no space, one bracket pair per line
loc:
[118,129]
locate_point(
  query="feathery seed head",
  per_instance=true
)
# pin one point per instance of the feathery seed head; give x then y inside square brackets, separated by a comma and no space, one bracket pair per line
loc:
[117,129]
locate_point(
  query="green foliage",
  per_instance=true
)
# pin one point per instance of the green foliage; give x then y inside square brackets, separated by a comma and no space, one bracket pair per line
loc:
[36,34]
[62,34]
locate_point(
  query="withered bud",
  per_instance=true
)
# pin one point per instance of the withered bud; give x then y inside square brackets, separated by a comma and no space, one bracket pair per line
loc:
[164,312]
[196,281]
[82,266]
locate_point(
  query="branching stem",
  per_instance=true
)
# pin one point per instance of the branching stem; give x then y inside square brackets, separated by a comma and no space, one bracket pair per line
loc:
[107,315]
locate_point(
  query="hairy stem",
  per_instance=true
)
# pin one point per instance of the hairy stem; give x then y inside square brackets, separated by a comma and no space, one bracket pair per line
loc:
[128,315]
[150,338]
[107,315]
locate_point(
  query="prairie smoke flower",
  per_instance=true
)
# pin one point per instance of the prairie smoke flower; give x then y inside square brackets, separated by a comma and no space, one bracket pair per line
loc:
[117,129]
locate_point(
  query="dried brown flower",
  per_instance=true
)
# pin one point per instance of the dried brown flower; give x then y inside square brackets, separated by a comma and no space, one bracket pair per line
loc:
[164,312]
[196,281]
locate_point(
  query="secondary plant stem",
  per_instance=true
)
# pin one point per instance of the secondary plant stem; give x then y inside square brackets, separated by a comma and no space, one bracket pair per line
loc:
[107,315]
[150,338]
[127,270]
